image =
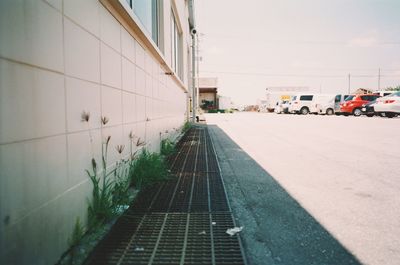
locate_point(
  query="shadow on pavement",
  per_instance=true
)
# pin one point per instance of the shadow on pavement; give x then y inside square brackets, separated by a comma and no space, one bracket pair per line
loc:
[277,230]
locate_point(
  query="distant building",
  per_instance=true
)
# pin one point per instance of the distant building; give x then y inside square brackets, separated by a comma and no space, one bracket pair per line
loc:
[363,91]
[294,89]
[208,90]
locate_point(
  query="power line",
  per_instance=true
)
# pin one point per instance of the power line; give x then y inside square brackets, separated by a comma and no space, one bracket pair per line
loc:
[296,75]
[321,68]
[309,41]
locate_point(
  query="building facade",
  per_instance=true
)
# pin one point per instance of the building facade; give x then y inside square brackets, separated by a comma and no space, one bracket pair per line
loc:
[125,60]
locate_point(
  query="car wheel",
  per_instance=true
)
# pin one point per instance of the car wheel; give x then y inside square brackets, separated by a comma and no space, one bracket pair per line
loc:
[304,110]
[329,112]
[357,112]
[390,115]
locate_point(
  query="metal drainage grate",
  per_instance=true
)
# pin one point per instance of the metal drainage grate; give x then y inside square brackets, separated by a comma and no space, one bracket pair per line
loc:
[181,221]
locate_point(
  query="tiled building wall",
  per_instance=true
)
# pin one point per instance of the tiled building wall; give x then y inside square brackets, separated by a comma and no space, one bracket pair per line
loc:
[58,58]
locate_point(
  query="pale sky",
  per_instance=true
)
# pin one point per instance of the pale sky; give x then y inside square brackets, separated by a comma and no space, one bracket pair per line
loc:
[254,44]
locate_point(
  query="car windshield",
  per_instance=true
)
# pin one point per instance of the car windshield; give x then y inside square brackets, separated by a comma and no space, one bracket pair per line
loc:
[349,98]
[396,94]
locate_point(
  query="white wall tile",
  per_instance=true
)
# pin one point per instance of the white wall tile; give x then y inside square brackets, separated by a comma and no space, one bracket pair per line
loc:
[82,53]
[140,81]
[149,108]
[148,64]
[110,67]
[85,13]
[82,147]
[82,96]
[127,45]
[156,70]
[111,105]
[156,85]
[31,32]
[32,102]
[140,56]
[149,86]
[110,29]
[162,76]
[128,75]
[39,175]
[129,107]
[140,108]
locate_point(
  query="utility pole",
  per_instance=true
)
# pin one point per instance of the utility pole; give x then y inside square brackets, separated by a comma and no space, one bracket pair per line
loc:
[194,93]
[348,91]
[197,70]
[379,79]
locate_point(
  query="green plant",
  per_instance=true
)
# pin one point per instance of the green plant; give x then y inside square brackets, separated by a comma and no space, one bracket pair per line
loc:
[167,147]
[148,168]
[100,207]
[77,233]
[121,184]
[186,126]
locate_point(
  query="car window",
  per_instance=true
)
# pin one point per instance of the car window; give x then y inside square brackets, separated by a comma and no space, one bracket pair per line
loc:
[294,97]
[367,98]
[348,98]
[386,94]
[337,98]
[306,97]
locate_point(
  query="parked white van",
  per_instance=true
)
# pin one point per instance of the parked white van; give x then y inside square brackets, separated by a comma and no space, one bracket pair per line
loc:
[321,100]
[301,103]
[328,103]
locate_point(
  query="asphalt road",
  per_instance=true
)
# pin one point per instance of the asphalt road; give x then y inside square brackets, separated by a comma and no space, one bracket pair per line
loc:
[312,189]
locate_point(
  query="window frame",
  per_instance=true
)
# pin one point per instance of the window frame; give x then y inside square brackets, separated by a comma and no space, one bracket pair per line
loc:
[176,46]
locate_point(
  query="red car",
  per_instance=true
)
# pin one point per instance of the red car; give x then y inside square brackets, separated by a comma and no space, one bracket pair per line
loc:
[353,104]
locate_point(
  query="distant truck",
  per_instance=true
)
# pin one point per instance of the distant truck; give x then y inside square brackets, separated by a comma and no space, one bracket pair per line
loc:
[273,98]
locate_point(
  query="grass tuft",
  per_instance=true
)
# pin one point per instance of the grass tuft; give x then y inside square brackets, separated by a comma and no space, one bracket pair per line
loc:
[167,147]
[148,168]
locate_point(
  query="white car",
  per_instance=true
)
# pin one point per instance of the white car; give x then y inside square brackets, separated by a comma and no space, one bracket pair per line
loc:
[301,104]
[389,105]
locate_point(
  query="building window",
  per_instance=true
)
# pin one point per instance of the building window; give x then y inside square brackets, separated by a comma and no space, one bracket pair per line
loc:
[149,13]
[176,47]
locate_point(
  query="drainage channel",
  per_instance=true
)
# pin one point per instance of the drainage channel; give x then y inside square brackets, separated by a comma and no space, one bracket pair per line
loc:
[181,221]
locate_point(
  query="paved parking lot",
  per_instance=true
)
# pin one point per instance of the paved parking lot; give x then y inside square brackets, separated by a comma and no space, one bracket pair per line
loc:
[343,170]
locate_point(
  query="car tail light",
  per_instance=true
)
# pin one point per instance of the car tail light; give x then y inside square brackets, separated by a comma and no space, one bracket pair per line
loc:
[389,101]
[295,102]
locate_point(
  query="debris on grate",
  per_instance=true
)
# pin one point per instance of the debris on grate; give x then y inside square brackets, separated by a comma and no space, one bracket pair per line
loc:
[202,233]
[214,223]
[138,249]
[234,231]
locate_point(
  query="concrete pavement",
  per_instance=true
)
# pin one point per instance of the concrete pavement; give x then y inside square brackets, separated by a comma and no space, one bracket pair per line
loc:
[277,230]
[336,174]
